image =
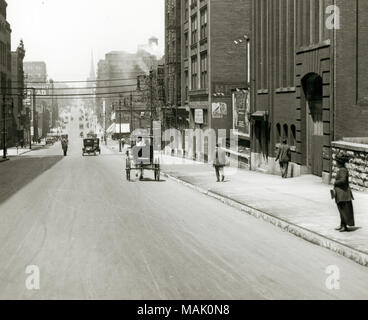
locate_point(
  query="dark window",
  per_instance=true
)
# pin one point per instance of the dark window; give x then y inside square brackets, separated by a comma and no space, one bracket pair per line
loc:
[186,44]
[186,76]
[194,26]
[194,70]
[204,19]
[293,135]
[286,132]
[186,14]
[278,133]
[204,71]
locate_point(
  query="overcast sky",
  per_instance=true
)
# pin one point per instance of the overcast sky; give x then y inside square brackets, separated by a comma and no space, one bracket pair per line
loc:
[64,32]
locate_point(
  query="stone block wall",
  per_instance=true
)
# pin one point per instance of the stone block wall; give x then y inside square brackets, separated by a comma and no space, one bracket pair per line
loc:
[357,166]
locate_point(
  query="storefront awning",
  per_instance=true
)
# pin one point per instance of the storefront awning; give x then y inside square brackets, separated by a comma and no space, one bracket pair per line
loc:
[260,115]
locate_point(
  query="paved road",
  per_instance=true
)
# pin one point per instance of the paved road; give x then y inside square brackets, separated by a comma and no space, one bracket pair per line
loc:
[96,236]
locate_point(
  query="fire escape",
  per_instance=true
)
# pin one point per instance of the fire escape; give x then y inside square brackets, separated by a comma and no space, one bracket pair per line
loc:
[173,96]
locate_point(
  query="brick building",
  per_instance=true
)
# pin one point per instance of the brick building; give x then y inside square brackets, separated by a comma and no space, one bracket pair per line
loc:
[172,61]
[211,64]
[5,77]
[20,113]
[36,77]
[309,81]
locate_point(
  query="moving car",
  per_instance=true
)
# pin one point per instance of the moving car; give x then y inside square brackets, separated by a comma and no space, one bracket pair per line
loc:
[89,146]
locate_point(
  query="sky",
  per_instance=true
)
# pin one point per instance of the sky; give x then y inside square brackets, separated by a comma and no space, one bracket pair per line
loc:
[63,33]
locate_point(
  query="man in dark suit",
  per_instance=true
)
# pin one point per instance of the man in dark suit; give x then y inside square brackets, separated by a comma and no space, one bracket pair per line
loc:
[284,156]
[343,195]
[219,163]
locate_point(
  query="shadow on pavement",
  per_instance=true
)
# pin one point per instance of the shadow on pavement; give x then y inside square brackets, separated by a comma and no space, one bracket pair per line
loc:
[17,173]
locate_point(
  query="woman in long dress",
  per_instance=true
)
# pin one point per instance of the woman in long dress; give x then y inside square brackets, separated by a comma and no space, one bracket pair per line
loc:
[343,195]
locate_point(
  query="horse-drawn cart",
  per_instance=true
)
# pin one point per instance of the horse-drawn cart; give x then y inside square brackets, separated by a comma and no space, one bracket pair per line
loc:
[140,158]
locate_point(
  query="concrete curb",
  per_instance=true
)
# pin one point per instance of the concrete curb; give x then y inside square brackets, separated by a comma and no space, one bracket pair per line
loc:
[310,236]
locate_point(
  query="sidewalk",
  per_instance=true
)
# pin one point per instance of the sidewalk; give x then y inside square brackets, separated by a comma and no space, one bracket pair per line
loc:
[301,206]
[13,152]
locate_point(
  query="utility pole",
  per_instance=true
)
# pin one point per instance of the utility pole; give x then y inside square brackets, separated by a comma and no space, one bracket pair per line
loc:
[120,110]
[35,120]
[131,112]
[151,101]
[4,128]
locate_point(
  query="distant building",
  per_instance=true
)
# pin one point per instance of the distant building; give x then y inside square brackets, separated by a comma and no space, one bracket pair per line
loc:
[117,81]
[310,80]
[20,113]
[36,77]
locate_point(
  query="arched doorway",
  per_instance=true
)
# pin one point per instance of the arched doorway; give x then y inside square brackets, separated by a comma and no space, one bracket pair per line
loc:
[313,120]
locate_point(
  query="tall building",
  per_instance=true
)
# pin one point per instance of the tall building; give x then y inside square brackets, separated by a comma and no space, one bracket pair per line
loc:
[36,78]
[172,60]
[117,82]
[310,80]
[212,66]
[90,86]
[5,78]
[20,113]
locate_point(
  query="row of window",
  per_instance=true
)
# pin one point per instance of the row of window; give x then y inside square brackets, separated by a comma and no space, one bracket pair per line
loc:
[283,133]
[194,26]
[5,55]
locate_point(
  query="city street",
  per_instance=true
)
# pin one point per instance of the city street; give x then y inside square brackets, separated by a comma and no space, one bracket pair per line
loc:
[94,235]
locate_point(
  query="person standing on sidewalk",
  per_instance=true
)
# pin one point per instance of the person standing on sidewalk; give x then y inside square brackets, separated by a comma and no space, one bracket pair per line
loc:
[219,163]
[284,156]
[343,195]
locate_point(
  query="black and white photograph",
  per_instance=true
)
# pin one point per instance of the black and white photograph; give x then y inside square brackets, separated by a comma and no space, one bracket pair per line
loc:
[183,150]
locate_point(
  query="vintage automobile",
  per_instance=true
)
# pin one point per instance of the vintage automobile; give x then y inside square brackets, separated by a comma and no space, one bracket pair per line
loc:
[89,147]
[50,140]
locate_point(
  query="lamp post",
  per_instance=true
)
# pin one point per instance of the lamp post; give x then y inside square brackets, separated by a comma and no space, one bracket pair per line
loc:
[4,128]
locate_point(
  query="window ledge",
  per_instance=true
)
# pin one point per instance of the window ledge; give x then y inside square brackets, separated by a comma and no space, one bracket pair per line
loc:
[285,90]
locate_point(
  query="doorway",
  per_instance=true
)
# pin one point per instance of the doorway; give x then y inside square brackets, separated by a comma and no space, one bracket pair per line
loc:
[313,91]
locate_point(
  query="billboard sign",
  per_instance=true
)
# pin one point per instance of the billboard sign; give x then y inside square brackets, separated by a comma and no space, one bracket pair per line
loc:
[198,116]
[241,112]
[219,110]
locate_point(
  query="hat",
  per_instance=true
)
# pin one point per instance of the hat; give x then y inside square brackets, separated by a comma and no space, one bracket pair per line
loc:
[342,159]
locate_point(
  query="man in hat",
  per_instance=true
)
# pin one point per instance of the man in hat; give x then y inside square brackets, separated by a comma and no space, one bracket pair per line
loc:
[219,162]
[284,156]
[343,195]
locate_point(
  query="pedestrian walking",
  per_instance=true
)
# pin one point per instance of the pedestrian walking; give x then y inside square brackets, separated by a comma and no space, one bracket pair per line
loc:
[122,141]
[284,157]
[64,145]
[142,144]
[219,163]
[343,195]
